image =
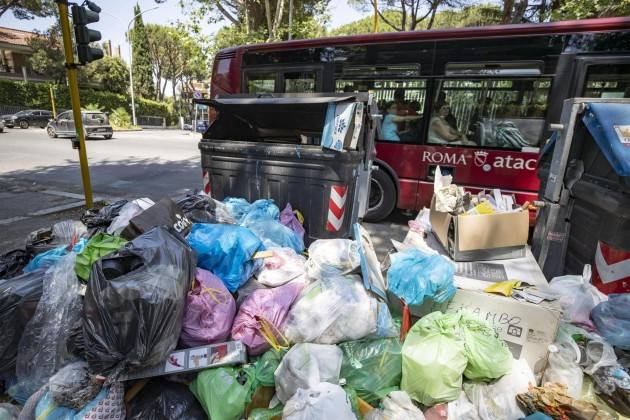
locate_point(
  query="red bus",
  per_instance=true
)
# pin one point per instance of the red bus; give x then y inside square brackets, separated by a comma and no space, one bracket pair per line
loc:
[475,101]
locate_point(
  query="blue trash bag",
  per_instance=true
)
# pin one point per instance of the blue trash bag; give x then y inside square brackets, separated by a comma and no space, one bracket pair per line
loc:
[612,319]
[415,276]
[52,256]
[226,251]
[244,212]
[274,234]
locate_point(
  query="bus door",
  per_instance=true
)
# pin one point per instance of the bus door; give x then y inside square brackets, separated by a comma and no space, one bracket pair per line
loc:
[484,127]
[287,79]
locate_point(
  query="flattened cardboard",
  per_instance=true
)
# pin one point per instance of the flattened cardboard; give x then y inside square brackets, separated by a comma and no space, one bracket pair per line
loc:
[484,232]
[527,329]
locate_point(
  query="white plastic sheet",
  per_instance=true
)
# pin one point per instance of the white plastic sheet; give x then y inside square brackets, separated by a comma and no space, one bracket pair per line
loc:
[332,257]
[283,266]
[323,401]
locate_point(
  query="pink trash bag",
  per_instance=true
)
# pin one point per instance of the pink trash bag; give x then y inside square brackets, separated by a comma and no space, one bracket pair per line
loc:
[287,218]
[260,319]
[209,312]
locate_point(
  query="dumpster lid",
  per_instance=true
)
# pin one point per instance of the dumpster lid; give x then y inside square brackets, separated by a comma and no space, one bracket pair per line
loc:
[609,124]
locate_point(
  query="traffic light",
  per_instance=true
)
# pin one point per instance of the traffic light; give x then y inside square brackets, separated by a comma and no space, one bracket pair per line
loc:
[82,16]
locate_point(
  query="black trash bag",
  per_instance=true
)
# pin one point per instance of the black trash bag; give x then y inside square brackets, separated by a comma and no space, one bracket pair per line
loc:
[18,301]
[75,342]
[12,263]
[61,233]
[198,208]
[99,221]
[164,400]
[134,303]
[163,213]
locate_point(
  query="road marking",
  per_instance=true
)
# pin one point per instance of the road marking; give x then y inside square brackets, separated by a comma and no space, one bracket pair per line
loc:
[12,219]
[58,208]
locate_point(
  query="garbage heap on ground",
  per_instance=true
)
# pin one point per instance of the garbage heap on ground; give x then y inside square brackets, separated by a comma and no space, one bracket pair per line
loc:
[191,308]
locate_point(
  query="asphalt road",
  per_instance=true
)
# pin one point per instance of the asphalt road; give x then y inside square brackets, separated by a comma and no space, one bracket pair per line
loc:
[38,173]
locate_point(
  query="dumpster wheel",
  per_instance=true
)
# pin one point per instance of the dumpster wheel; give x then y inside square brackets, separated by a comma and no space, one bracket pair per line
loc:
[382,199]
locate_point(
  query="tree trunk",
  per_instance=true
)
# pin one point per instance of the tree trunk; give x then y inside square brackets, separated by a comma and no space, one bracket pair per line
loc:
[508,5]
[174,83]
[432,18]
[268,16]
[278,18]
[163,90]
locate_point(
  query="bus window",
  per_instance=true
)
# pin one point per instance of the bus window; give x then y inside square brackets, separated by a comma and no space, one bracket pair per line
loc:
[607,81]
[263,82]
[400,101]
[299,81]
[501,113]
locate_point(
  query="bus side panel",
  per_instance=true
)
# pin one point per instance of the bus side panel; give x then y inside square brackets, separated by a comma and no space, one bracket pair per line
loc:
[408,193]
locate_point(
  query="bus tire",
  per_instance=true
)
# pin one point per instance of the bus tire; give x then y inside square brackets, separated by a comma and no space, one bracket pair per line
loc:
[382,198]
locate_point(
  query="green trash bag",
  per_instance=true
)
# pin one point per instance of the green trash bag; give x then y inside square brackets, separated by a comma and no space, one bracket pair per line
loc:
[488,356]
[98,246]
[433,360]
[266,413]
[372,367]
[266,365]
[223,392]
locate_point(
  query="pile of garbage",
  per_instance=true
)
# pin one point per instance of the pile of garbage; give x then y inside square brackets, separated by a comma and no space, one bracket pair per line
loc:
[195,308]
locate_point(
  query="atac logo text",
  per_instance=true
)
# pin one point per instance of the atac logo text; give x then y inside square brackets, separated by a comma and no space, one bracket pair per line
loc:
[480,158]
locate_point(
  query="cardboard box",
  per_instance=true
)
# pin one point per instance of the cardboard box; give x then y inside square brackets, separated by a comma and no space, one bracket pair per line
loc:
[528,329]
[483,236]
[193,359]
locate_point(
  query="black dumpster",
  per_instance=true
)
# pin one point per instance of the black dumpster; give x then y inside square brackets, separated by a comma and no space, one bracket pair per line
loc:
[585,188]
[271,147]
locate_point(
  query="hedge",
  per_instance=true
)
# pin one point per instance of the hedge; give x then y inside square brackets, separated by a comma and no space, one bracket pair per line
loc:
[36,95]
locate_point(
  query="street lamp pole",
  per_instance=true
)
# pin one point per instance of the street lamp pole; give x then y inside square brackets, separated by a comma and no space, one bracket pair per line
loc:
[133,101]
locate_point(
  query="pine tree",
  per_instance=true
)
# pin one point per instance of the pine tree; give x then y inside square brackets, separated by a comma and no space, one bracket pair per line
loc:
[142,71]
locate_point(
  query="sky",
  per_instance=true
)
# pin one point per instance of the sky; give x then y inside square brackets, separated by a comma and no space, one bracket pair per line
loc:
[116,14]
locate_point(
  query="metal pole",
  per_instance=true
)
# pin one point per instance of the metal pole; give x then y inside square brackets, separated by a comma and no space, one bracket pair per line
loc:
[71,70]
[290,19]
[133,102]
[52,101]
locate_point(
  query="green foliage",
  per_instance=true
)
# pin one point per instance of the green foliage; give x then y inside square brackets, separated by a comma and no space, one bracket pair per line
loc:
[120,118]
[111,73]
[36,95]
[576,9]
[91,107]
[28,9]
[48,58]
[141,68]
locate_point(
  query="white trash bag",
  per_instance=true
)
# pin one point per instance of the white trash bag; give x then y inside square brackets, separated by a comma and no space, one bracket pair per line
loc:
[283,266]
[332,257]
[497,400]
[322,401]
[396,406]
[306,365]
[337,309]
[563,364]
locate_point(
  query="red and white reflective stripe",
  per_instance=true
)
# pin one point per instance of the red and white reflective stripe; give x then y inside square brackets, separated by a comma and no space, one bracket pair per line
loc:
[612,269]
[336,207]
[206,182]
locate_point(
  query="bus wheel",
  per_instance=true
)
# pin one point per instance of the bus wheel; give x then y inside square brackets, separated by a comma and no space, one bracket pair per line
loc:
[382,198]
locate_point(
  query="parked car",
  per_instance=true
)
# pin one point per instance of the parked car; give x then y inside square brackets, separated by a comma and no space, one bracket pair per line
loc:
[1,126]
[27,117]
[95,123]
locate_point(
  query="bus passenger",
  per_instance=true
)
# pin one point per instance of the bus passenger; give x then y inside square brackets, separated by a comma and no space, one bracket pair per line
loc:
[440,131]
[389,127]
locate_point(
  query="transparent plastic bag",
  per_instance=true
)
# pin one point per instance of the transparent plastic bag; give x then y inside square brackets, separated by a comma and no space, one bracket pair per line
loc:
[272,233]
[42,350]
[73,386]
[283,266]
[599,354]
[563,364]
[322,401]
[226,251]
[9,411]
[372,367]
[332,257]
[577,297]
[107,405]
[396,406]
[612,319]
[305,365]
[462,409]
[134,303]
[497,400]
[415,276]
[337,309]
[128,212]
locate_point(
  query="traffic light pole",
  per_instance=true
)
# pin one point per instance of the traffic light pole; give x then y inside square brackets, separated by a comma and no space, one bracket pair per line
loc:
[71,69]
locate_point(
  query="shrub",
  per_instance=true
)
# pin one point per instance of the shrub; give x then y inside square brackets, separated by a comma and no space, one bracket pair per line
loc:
[120,118]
